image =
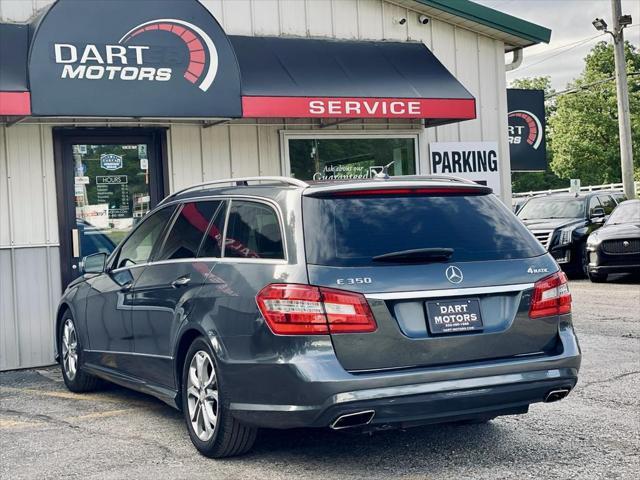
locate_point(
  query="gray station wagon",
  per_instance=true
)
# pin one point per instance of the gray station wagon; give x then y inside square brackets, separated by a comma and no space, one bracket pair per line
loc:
[361,305]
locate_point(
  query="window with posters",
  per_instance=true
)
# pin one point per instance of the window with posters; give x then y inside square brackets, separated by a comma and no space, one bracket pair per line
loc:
[347,157]
[111,185]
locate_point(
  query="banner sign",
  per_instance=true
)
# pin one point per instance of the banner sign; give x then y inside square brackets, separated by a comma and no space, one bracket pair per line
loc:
[527,145]
[476,161]
[157,58]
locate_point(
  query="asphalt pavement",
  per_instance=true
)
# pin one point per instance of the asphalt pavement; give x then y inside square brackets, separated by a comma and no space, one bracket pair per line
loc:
[48,432]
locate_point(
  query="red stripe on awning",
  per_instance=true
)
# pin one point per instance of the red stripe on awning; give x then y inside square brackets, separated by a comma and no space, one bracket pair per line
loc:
[340,107]
[15,103]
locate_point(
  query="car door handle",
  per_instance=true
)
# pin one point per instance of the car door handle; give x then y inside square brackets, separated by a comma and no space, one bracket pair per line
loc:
[180,281]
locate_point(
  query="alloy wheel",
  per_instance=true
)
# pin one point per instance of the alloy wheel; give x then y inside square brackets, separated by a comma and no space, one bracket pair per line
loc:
[69,349]
[202,395]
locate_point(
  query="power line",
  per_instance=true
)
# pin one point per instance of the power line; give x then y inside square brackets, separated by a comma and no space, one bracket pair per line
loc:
[586,86]
[575,45]
[545,52]
[565,48]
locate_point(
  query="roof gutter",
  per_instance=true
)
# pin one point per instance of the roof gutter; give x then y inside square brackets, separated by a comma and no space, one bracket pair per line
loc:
[518,55]
[495,19]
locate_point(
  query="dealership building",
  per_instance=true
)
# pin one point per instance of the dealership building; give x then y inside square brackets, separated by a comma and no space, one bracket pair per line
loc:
[107,106]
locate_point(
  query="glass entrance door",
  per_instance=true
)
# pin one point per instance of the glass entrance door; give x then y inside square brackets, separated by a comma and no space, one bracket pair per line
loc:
[111,183]
[111,193]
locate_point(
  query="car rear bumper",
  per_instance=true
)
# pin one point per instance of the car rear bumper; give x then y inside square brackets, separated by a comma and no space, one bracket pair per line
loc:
[614,268]
[418,404]
[301,397]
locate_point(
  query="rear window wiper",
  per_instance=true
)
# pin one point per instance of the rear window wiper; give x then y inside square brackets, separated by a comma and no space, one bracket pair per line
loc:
[417,255]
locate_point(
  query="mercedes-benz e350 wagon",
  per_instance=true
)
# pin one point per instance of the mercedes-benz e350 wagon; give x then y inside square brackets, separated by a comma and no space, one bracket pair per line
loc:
[359,305]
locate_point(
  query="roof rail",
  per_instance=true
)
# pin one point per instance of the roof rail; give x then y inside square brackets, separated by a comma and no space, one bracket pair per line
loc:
[241,181]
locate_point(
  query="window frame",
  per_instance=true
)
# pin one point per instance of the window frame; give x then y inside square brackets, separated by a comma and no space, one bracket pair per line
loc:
[228,198]
[610,197]
[112,260]
[165,234]
[590,208]
[260,260]
[287,135]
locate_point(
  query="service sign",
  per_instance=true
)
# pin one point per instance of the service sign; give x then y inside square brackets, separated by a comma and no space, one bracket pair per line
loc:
[527,145]
[157,58]
[476,161]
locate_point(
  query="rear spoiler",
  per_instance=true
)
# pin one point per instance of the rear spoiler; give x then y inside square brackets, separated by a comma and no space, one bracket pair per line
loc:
[396,189]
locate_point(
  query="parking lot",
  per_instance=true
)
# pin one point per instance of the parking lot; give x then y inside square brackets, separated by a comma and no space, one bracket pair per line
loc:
[48,432]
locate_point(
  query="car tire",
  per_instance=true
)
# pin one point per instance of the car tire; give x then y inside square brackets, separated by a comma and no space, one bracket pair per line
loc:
[205,405]
[70,350]
[581,265]
[598,277]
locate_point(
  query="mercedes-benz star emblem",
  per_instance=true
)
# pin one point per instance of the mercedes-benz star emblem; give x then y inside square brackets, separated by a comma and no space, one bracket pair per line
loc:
[625,243]
[454,274]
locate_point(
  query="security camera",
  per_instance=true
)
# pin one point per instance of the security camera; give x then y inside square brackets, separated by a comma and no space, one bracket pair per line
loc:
[423,19]
[401,20]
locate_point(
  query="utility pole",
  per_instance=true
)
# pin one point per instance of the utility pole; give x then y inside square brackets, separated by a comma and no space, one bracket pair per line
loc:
[622,87]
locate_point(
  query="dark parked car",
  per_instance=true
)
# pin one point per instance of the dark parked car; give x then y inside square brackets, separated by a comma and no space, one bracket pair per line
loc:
[615,248]
[363,305]
[562,223]
[517,203]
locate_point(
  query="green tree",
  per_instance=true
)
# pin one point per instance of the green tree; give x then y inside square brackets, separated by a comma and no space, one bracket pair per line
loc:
[531,181]
[538,83]
[584,126]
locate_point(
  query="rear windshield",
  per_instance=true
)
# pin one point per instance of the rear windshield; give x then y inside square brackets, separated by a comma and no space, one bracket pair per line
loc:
[350,231]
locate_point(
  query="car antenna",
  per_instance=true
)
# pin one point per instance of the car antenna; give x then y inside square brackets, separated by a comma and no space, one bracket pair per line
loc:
[384,173]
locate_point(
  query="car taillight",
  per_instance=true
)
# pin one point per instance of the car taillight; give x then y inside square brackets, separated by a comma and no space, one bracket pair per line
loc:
[550,296]
[291,309]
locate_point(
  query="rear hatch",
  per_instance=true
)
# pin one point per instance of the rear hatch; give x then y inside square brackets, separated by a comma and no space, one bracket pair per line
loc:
[448,272]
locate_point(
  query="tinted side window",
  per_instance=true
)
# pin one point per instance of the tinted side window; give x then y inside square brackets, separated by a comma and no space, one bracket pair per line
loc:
[212,243]
[137,248]
[593,203]
[253,231]
[188,230]
[608,203]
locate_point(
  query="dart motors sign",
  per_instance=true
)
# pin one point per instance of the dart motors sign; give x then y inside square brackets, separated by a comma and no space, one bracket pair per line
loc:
[163,58]
[527,146]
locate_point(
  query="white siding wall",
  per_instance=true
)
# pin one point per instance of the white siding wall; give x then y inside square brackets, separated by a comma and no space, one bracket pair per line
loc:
[29,256]
[476,60]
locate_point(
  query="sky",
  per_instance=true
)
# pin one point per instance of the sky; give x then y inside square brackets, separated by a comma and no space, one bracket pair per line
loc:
[570,22]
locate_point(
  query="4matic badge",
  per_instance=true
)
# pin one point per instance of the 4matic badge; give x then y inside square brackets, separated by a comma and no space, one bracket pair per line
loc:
[533,270]
[127,62]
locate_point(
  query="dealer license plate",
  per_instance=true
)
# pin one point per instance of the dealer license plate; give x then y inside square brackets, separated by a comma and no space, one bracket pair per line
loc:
[454,316]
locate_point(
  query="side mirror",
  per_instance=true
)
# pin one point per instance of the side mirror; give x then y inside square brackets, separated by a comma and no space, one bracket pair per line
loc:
[93,263]
[597,215]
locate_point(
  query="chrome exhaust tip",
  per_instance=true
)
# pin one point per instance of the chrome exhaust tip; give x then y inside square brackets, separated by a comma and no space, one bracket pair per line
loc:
[556,395]
[352,420]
